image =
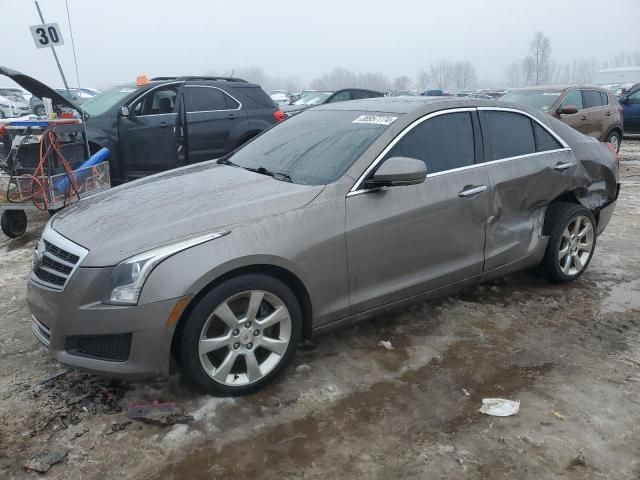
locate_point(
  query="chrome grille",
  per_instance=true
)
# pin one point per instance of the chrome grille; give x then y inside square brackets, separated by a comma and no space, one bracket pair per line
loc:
[55,260]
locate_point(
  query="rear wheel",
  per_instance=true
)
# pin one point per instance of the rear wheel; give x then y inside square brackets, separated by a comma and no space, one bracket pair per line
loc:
[13,223]
[572,240]
[241,334]
[614,139]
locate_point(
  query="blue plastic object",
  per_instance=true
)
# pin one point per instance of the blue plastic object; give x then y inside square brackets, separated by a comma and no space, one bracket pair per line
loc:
[100,156]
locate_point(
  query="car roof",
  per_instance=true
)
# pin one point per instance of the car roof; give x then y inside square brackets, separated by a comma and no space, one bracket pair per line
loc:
[408,104]
[554,88]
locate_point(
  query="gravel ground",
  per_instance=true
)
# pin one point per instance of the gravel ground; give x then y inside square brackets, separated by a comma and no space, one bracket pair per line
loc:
[349,408]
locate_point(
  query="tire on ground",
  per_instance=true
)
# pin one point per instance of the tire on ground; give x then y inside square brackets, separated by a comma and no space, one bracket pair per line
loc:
[558,217]
[189,340]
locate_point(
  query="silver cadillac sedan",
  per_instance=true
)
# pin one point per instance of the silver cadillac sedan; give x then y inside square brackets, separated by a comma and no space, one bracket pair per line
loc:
[335,215]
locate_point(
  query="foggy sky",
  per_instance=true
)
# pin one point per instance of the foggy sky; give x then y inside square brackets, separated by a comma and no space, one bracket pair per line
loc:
[117,40]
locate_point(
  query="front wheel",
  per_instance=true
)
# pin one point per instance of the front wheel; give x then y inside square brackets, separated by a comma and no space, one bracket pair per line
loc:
[241,334]
[572,240]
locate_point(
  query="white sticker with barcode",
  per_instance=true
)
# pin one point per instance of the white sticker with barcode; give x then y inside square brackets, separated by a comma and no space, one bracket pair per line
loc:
[376,119]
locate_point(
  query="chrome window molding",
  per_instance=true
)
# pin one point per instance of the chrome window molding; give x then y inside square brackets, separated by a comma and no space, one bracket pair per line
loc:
[53,237]
[356,190]
[224,93]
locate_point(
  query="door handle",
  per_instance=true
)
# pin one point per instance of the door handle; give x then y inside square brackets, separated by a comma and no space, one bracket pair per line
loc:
[471,190]
[232,116]
[563,166]
[608,114]
[583,117]
[164,124]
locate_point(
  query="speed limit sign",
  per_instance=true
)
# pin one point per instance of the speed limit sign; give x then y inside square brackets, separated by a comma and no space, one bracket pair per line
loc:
[46,35]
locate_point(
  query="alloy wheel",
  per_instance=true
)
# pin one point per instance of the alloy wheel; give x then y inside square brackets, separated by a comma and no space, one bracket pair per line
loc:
[615,141]
[576,245]
[244,338]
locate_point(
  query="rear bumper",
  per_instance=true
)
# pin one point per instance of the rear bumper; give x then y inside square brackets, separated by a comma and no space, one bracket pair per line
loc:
[606,212]
[130,341]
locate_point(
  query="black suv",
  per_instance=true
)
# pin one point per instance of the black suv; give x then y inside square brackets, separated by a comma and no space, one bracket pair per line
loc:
[166,122]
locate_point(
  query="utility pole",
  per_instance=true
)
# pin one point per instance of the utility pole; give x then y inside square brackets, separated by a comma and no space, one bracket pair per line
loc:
[53,50]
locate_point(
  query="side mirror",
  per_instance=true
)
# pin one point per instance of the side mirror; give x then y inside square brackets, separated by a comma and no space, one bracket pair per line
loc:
[124,111]
[568,110]
[398,171]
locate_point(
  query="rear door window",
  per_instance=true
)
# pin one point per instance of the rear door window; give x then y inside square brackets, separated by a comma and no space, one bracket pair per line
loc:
[206,99]
[509,134]
[544,140]
[443,142]
[340,97]
[605,98]
[591,99]
[573,98]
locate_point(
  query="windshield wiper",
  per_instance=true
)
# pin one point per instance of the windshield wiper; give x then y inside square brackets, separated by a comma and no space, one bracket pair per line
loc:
[225,161]
[265,171]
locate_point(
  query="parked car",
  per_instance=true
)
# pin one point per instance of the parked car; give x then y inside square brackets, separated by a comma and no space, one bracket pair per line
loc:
[631,109]
[279,97]
[167,122]
[12,107]
[76,95]
[19,94]
[593,111]
[336,214]
[312,98]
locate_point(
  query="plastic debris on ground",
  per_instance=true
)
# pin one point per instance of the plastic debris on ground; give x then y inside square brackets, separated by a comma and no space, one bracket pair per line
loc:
[499,407]
[386,344]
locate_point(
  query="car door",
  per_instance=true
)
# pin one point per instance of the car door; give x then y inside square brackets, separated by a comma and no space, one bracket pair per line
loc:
[596,113]
[576,120]
[147,136]
[528,167]
[211,115]
[402,241]
[631,112]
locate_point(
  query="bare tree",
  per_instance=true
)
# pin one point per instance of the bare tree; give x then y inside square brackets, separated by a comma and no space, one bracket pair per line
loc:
[423,79]
[514,74]
[252,74]
[401,83]
[373,81]
[538,59]
[441,73]
[464,74]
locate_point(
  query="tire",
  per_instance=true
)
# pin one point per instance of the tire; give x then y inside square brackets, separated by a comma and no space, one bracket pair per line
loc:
[614,139]
[572,240]
[13,223]
[225,370]
[39,110]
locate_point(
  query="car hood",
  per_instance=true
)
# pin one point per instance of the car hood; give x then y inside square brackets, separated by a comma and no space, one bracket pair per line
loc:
[172,206]
[38,89]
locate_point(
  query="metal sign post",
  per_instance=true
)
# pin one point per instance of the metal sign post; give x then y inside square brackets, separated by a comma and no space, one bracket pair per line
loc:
[53,49]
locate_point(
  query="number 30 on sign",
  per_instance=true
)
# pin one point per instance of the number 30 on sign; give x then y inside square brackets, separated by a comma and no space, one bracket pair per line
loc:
[46,35]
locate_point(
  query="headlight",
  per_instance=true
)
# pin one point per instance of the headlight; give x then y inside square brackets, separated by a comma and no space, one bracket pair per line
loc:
[129,275]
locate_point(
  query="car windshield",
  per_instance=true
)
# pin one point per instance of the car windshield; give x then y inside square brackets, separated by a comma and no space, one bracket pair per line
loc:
[312,98]
[314,147]
[540,99]
[104,101]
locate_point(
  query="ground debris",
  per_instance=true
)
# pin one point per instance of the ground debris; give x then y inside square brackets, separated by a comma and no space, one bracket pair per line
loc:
[579,461]
[499,407]
[41,462]
[118,427]
[386,344]
[158,413]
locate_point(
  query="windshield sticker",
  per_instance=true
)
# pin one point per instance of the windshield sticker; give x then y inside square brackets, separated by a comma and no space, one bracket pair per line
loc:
[376,119]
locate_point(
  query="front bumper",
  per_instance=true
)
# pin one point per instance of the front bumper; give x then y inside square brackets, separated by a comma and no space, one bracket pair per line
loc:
[60,318]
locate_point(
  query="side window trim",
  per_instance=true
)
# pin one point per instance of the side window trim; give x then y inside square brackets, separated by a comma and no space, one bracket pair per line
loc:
[591,90]
[356,190]
[223,92]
